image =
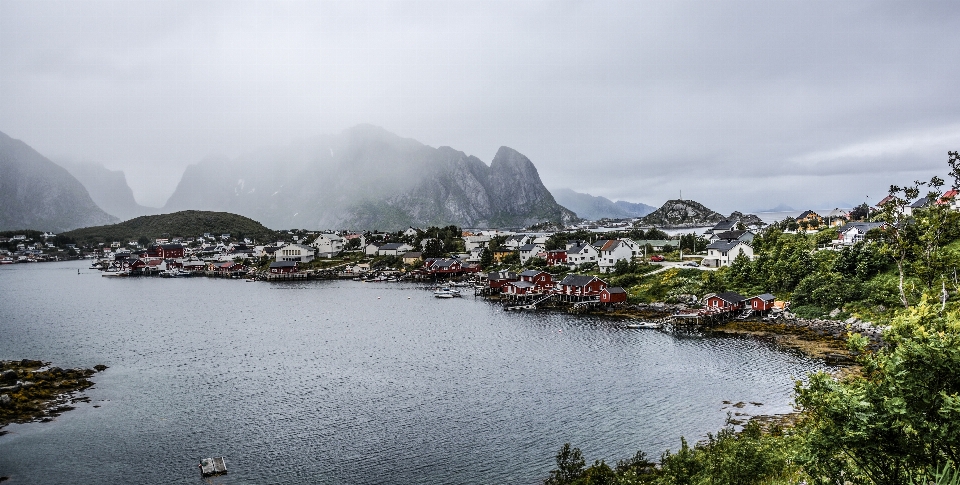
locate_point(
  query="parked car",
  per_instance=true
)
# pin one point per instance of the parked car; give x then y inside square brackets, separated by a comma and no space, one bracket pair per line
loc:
[656,258]
[691,263]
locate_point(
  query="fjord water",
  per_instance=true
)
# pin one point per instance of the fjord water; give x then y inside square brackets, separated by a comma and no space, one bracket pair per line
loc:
[344,382]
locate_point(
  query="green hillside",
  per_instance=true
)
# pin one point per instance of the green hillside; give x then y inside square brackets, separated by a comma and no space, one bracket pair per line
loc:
[178,224]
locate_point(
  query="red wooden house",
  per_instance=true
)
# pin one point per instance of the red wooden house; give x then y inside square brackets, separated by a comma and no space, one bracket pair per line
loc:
[761,303]
[165,251]
[727,301]
[579,287]
[613,294]
[556,257]
[496,280]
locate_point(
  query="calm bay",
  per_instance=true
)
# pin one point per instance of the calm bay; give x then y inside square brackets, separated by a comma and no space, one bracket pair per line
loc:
[345,382]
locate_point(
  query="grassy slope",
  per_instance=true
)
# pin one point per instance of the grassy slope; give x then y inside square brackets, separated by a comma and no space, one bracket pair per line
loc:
[183,224]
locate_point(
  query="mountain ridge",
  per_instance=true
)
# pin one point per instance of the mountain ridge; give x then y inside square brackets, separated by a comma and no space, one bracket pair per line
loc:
[367,177]
[36,193]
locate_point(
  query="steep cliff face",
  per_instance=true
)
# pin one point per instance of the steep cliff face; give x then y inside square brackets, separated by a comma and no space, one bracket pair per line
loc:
[108,189]
[36,193]
[679,212]
[369,178]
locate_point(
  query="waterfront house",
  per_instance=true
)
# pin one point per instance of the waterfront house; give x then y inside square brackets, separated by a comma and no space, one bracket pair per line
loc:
[541,279]
[411,257]
[165,251]
[496,279]
[283,267]
[761,303]
[723,252]
[613,294]
[576,287]
[295,252]
[517,288]
[727,301]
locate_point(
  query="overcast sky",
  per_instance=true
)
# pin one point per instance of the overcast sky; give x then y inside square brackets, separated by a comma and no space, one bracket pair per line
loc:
[739,105]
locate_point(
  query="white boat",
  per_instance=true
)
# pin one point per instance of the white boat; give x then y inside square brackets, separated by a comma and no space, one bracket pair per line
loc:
[6,261]
[449,292]
[644,325]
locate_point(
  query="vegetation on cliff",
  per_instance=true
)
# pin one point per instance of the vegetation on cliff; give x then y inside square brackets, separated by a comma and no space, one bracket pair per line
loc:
[184,224]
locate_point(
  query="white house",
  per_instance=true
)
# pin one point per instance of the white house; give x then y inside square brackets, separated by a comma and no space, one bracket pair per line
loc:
[516,241]
[328,245]
[854,232]
[295,252]
[583,253]
[410,232]
[614,250]
[723,252]
[528,251]
[475,242]
[394,249]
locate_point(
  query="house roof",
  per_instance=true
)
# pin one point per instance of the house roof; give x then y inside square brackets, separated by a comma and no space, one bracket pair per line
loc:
[806,214]
[920,203]
[577,280]
[729,235]
[730,297]
[578,249]
[724,225]
[531,272]
[948,196]
[501,275]
[283,264]
[521,284]
[725,245]
[765,297]
[529,247]
[412,255]
[862,227]
[393,246]
[885,200]
[445,263]
[614,289]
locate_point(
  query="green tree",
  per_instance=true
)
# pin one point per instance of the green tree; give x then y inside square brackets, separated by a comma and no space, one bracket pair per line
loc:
[569,469]
[898,419]
[486,258]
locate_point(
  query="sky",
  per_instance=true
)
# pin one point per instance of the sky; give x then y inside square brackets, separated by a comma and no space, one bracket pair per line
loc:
[740,105]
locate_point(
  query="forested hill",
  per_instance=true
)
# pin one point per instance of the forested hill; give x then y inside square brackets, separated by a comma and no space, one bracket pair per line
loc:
[184,224]
[679,212]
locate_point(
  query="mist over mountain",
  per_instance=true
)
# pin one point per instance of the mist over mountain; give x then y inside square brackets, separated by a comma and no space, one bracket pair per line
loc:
[369,178]
[595,207]
[36,193]
[108,189]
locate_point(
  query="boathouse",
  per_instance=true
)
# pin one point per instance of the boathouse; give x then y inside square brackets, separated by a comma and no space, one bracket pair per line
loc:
[762,303]
[165,251]
[283,267]
[579,287]
[613,294]
[727,301]
[497,279]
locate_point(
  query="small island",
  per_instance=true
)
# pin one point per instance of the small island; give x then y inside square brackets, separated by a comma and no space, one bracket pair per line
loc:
[32,390]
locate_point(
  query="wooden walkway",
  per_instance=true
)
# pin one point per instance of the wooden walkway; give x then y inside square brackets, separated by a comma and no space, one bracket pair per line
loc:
[213,466]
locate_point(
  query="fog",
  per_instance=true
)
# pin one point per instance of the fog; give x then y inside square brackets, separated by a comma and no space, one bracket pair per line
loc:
[739,105]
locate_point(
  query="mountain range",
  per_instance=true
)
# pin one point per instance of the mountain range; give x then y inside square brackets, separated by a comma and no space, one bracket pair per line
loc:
[369,178]
[108,189]
[36,193]
[593,207]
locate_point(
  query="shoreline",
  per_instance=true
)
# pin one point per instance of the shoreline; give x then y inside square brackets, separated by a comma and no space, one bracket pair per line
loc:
[32,391]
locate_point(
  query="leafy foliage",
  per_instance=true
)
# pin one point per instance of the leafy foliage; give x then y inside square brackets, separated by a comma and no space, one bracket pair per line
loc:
[184,223]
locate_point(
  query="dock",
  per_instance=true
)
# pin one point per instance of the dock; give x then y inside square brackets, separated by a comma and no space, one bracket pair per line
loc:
[213,466]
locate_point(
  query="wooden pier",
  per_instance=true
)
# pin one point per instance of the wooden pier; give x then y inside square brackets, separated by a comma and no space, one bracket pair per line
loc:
[213,466]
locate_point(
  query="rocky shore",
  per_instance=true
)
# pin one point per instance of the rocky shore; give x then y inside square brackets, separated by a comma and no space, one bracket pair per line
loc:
[32,390]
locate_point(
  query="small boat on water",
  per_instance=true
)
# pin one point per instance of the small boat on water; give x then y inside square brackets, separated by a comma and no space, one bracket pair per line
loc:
[213,466]
[446,292]
[6,261]
[644,325]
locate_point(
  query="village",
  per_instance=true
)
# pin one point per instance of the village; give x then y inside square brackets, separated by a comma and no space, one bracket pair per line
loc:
[523,270]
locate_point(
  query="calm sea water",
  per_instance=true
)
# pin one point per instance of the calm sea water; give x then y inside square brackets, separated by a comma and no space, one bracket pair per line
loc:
[343,382]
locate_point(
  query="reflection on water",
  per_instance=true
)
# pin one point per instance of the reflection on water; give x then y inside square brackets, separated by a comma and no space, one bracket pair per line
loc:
[349,382]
